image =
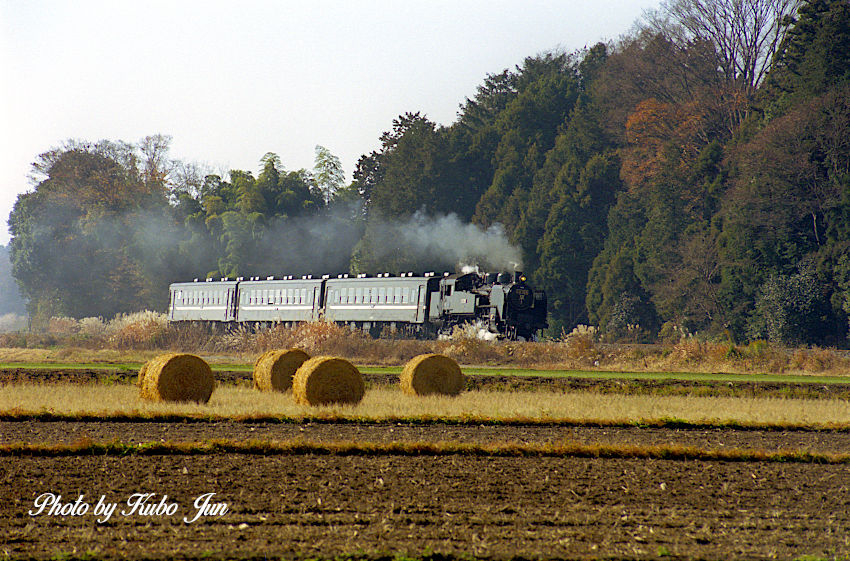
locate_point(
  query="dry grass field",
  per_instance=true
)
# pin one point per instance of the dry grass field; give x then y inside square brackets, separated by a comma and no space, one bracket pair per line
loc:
[138,337]
[70,400]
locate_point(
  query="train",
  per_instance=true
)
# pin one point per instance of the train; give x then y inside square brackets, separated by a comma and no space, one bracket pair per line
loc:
[502,304]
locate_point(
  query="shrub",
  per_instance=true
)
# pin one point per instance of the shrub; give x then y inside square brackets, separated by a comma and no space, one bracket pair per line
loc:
[140,330]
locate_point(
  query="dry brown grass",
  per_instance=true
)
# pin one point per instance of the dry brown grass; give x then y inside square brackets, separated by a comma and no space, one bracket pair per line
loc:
[391,403]
[140,333]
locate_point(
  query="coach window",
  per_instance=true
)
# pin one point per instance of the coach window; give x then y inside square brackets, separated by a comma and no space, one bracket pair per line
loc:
[397,298]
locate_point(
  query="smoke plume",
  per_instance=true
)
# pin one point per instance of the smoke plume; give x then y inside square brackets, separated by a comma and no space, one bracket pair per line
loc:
[442,242]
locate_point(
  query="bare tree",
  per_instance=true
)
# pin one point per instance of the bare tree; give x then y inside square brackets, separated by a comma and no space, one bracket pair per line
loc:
[156,165]
[745,33]
[188,177]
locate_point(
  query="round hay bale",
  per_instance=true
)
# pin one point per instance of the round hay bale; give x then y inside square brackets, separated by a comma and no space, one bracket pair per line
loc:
[142,371]
[274,370]
[325,380]
[177,377]
[432,374]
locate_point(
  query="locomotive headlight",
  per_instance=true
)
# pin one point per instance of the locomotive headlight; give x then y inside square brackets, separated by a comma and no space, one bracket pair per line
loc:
[522,278]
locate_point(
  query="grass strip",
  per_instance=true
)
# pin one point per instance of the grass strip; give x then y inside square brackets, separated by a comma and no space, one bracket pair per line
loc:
[133,367]
[496,450]
[468,421]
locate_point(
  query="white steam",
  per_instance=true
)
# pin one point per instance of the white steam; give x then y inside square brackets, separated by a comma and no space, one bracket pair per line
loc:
[449,241]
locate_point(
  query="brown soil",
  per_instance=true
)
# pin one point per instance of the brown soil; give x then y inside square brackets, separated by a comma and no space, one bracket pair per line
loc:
[457,506]
[125,431]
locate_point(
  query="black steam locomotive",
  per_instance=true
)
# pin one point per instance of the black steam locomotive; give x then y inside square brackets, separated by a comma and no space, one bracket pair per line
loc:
[501,303]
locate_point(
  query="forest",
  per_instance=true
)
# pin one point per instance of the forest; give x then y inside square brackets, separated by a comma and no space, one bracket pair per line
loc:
[691,177]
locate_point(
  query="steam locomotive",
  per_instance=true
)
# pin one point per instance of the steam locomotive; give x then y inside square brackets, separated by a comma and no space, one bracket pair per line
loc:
[501,303]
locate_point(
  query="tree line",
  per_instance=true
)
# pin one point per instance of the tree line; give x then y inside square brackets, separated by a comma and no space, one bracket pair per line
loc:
[693,176]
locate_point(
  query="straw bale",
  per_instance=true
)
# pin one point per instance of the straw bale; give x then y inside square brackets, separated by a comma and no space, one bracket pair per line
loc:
[177,377]
[142,371]
[325,380]
[432,374]
[273,370]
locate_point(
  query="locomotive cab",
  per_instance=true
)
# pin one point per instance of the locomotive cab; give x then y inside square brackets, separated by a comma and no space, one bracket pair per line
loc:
[458,295]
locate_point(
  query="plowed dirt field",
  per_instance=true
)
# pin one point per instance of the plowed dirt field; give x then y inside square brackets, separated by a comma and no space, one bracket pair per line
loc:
[324,505]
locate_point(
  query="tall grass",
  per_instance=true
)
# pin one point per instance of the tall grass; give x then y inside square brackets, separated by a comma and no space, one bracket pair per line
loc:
[581,349]
[391,403]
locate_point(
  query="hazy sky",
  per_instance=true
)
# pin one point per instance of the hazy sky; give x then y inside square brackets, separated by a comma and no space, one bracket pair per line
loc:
[230,81]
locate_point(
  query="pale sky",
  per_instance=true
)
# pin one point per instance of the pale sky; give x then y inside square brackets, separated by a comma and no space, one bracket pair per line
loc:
[230,81]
